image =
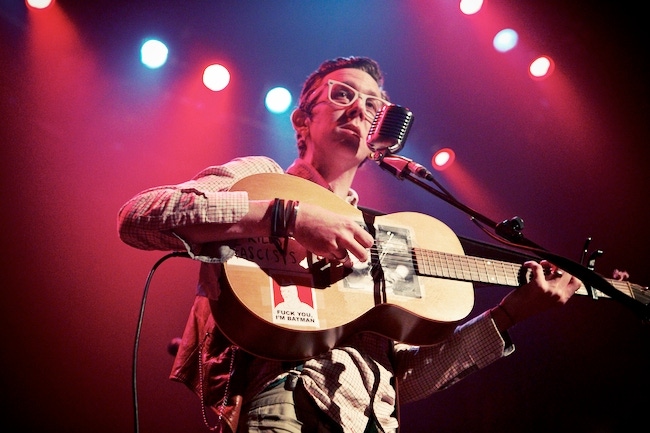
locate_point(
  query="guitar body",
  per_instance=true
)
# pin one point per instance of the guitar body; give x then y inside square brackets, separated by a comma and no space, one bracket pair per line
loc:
[331,302]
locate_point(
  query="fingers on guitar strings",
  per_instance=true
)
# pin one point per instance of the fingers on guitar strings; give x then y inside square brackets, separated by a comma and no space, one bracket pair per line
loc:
[553,271]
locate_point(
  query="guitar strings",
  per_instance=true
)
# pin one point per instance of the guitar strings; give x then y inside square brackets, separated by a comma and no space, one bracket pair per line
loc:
[472,268]
[394,254]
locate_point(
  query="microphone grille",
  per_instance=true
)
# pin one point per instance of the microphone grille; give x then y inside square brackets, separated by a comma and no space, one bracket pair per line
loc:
[390,128]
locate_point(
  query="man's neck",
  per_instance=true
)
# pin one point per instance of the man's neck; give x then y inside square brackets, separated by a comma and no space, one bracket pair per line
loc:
[328,175]
[342,183]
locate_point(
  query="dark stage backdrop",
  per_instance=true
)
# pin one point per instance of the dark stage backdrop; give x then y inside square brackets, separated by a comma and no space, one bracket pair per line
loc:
[84,128]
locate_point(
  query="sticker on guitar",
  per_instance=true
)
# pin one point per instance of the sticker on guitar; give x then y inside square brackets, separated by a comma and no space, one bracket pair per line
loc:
[293,303]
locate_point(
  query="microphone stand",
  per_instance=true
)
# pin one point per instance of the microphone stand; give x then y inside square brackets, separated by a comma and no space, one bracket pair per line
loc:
[510,230]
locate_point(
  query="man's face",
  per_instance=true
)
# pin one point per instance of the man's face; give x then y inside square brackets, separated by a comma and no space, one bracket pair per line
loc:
[337,132]
[289,292]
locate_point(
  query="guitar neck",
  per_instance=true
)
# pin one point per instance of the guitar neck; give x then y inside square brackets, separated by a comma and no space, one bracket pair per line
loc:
[467,268]
[475,269]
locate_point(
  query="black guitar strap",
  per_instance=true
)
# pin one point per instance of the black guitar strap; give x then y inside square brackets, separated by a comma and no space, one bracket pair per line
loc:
[376,271]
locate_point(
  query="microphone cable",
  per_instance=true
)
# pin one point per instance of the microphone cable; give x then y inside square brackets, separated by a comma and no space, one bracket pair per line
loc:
[136,415]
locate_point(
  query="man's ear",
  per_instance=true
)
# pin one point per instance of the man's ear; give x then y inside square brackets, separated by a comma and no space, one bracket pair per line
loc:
[299,118]
[300,121]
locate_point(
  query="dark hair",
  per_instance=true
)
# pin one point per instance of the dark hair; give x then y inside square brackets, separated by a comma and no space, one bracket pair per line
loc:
[313,81]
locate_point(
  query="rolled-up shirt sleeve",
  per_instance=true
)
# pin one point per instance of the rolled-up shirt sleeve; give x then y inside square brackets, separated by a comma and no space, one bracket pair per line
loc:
[424,370]
[147,221]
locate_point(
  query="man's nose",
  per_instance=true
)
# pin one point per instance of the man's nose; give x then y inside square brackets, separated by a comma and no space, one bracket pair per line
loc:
[358,109]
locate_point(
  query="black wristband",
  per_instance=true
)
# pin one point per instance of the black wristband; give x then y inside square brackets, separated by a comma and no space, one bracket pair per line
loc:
[283,219]
[290,217]
[277,219]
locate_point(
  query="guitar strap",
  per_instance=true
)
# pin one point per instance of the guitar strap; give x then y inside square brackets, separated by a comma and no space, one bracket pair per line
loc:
[380,289]
[376,271]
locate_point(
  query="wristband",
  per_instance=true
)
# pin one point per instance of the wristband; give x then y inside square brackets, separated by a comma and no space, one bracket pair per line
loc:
[277,218]
[290,217]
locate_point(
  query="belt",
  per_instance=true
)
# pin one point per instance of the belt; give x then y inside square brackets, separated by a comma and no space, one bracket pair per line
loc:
[290,380]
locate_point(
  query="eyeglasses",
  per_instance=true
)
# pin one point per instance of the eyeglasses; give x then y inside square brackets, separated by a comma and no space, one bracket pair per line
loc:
[344,95]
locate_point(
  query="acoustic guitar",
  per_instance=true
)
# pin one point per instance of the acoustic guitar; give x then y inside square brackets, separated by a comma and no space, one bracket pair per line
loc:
[415,289]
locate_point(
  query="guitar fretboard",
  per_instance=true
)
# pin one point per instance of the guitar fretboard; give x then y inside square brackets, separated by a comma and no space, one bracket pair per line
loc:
[476,269]
[466,268]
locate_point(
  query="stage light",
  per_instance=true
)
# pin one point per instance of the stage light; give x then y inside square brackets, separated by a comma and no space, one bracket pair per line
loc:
[443,159]
[153,54]
[39,4]
[540,68]
[470,7]
[505,40]
[278,100]
[216,77]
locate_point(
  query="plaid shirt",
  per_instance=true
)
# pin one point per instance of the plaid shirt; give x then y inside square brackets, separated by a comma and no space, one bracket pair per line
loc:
[351,382]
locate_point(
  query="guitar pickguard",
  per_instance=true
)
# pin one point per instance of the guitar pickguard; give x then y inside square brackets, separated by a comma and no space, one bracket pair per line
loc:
[393,246]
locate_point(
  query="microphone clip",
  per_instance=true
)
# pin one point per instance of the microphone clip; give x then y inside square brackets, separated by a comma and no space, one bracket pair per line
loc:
[400,166]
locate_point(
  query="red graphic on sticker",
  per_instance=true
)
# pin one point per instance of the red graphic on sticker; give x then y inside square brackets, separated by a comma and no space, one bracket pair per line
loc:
[293,302]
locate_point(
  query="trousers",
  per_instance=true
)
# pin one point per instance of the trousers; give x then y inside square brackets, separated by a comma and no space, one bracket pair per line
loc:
[285,407]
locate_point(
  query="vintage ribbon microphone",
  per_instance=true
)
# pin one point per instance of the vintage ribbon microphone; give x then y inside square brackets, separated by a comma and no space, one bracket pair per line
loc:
[387,135]
[389,130]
